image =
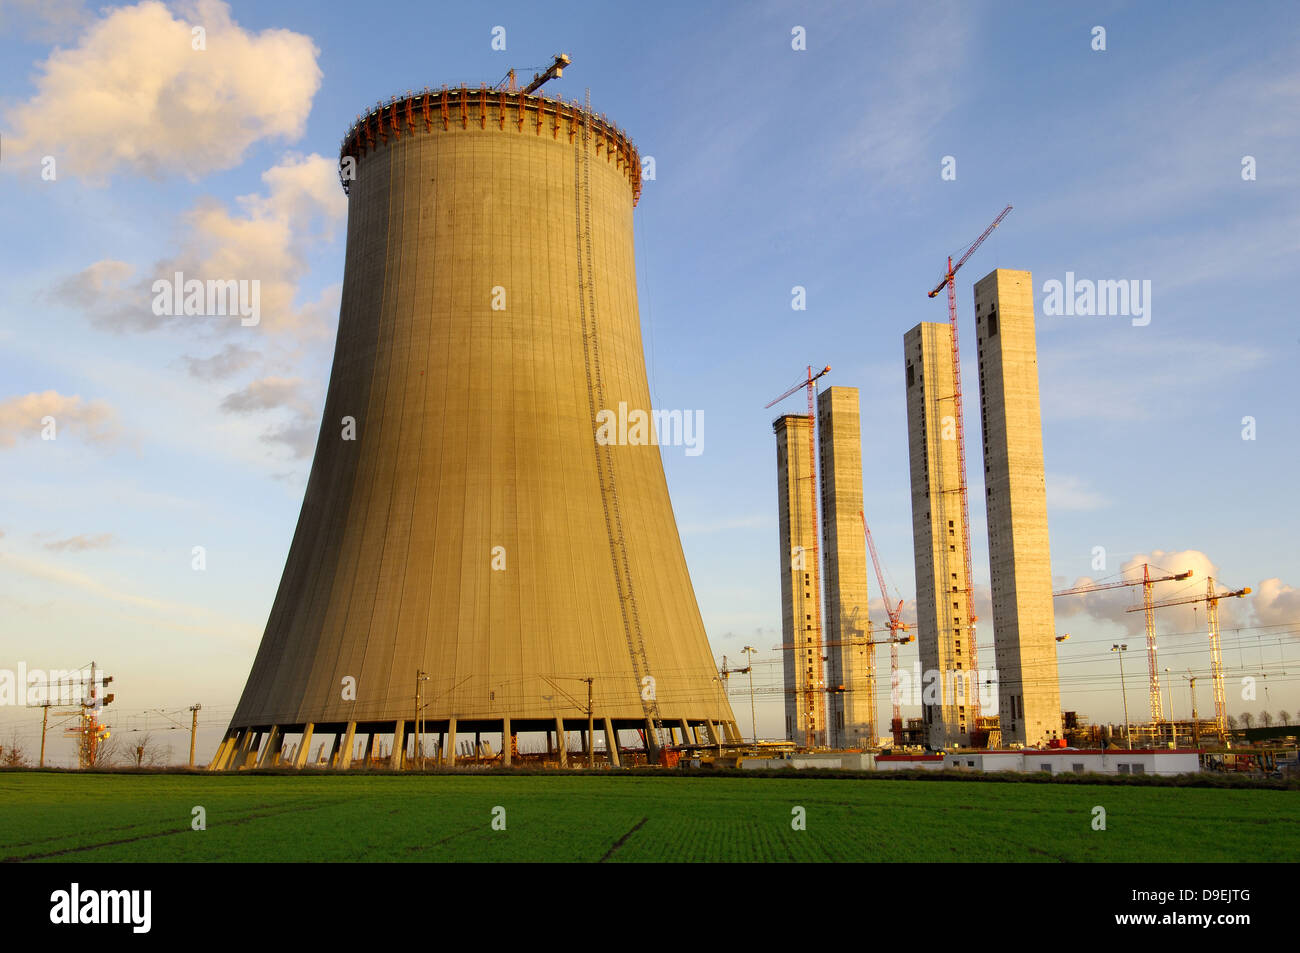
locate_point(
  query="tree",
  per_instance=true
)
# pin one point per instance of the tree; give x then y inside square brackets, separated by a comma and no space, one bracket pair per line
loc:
[1284,717]
[1246,719]
[1232,722]
[108,752]
[148,753]
[13,755]
[1265,719]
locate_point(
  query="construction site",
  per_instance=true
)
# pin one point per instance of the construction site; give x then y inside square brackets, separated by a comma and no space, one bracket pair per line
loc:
[484,583]
[830,672]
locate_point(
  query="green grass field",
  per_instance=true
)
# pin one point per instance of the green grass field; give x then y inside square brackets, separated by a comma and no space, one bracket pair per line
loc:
[125,817]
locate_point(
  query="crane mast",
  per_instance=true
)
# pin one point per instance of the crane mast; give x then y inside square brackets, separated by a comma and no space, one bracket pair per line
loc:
[950,283]
[1147,582]
[895,625]
[1211,600]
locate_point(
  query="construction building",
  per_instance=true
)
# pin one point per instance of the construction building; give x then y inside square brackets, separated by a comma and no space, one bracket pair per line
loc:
[472,557]
[943,603]
[1020,569]
[805,695]
[1164,762]
[851,670]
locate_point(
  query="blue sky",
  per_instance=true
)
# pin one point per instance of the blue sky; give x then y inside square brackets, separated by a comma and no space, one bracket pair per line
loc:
[774,168]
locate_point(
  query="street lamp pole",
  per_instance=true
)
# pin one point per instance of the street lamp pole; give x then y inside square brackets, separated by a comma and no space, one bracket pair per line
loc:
[420,677]
[753,713]
[1128,732]
[1169,697]
[1196,728]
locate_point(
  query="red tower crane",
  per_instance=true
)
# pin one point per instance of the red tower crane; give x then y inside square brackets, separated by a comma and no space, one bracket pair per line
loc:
[1211,600]
[1146,582]
[816,684]
[948,281]
[896,625]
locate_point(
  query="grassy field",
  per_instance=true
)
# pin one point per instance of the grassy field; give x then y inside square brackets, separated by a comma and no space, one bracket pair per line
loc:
[126,817]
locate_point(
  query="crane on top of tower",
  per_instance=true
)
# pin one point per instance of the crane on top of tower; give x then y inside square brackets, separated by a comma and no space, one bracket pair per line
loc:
[947,281]
[554,71]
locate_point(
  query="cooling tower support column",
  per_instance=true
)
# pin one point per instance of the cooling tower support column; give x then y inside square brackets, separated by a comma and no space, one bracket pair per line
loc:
[223,752]
[505,742]
[240,749]
[345,752]
[561,744]
[449,744]
[611,742]
[248,750]
[304,745]
[272,749]
[399,745]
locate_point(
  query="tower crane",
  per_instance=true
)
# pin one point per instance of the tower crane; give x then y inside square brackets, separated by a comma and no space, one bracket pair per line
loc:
[554,71]
[817,682]
[896,625]
[1146,582]
[1211,600]
[948,281]
[894,641]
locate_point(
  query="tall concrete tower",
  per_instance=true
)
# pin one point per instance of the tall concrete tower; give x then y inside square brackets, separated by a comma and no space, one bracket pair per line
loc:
[1020,565]
[942,604]
[470,549]
[851,711]
[805,683]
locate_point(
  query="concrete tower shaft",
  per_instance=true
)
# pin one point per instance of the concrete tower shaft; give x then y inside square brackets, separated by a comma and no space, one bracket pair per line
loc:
[942,603]
[462,518]
[805,683]
[1020,565]
[850,712]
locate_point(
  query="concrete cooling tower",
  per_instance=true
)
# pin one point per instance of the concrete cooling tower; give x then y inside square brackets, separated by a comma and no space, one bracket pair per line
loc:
[470,557]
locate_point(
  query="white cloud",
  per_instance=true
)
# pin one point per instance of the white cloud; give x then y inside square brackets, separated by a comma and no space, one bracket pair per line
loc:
[268,393]
[134,96]
[1072,493]
[228,361]
[21,417]
[1275,603]
[280,393]
[267,240]
[1112,605]
[79,544]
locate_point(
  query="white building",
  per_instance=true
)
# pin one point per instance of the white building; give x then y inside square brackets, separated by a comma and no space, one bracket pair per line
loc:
[1078,761]
[909,762]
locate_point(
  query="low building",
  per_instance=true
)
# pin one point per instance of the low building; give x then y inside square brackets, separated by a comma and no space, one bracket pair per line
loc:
[838,760]
[984,761]
[909,762]
[1079,761]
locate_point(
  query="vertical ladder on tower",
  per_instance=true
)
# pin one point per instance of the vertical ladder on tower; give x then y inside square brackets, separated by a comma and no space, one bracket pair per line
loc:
[613,513]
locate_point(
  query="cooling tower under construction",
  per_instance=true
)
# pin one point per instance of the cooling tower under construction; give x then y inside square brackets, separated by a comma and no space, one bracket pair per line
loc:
[470,556]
